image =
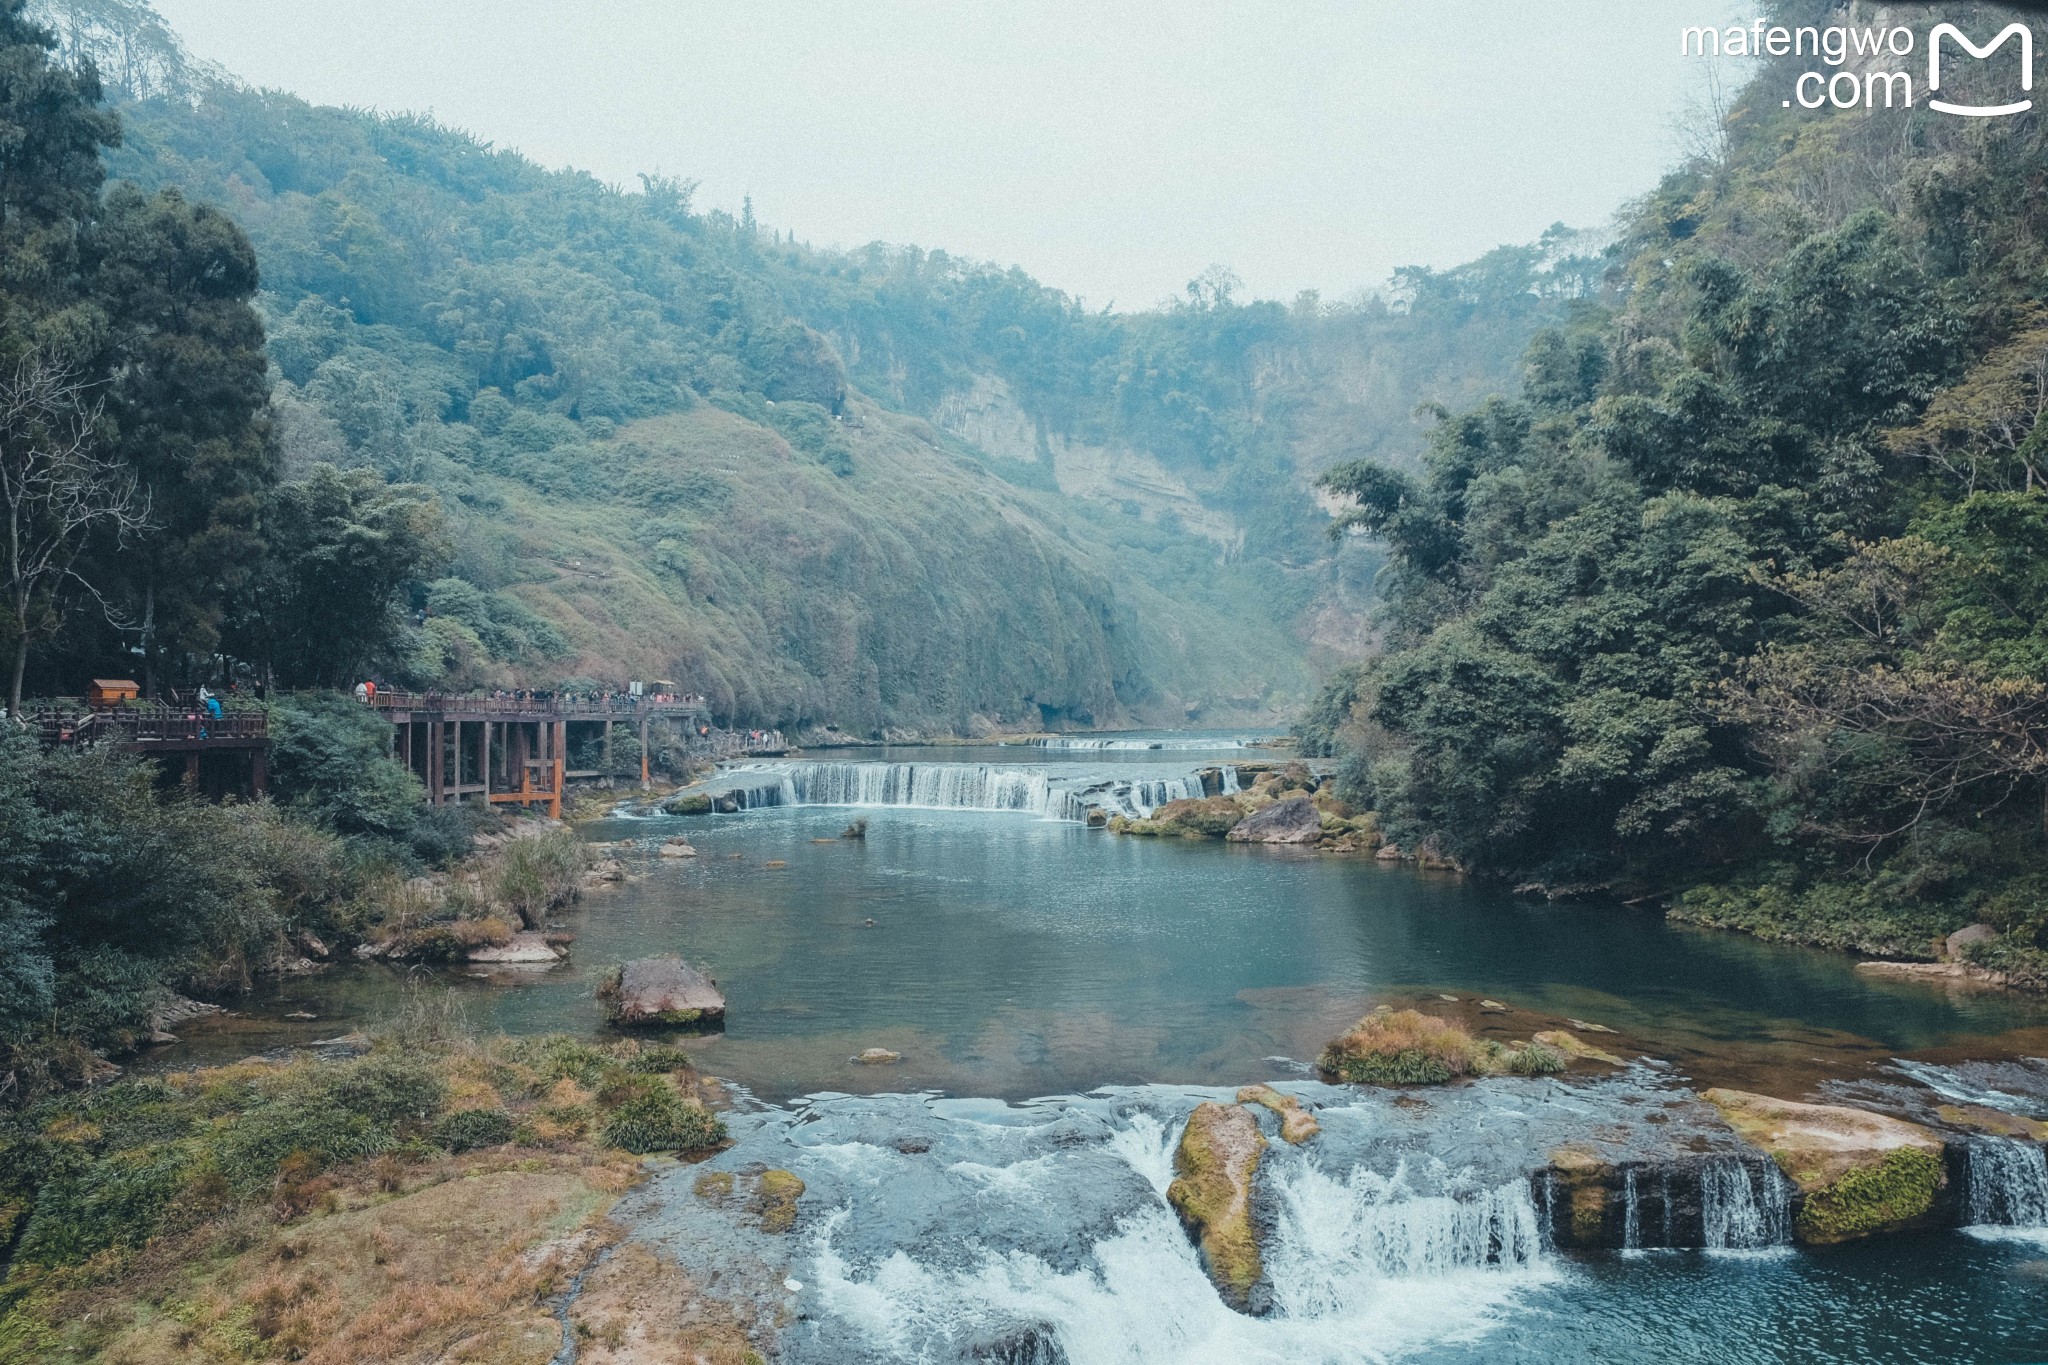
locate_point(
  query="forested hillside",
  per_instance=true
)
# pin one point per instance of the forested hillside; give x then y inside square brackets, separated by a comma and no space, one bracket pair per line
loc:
[879,487]
[1742,597]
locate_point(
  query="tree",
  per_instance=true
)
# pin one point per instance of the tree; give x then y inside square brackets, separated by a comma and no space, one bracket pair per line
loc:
[58,495]
[340,548]
[186,397]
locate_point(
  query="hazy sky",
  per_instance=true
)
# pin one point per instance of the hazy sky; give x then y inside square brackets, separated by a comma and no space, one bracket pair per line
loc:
[1112,149]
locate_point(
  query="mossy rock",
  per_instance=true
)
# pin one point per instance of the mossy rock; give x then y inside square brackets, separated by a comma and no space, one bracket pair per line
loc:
[1214,1166]
[1297,1125]
[688,803]
[774,1202]
[1857,1172]
[1898,1192]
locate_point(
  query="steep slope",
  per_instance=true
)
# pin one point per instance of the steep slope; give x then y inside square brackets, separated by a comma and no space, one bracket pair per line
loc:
[1135,488]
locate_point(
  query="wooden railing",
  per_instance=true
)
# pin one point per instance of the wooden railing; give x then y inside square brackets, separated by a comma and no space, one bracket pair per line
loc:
[571,706]
[143,724]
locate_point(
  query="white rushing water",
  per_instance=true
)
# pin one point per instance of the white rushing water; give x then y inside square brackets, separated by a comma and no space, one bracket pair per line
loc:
[2005,1189]
[1744,1206]
[1044,792]
[1362,1266]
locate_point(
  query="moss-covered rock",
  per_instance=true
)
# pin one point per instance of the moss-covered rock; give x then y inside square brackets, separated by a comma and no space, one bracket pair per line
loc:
[1214,1167]
[660,992]
[774,1201]
[1209,817]
[1857,1172]
[688,803]
[1297,1125]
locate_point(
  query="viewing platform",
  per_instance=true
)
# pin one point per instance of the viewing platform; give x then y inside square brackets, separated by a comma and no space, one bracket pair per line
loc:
[513,747]
[160,729]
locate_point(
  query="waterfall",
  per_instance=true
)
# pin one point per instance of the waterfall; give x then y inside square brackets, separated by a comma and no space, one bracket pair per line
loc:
[1092,744]
[1744,1207]
[2005,1184]
[1631,1214]
[1230,787]
[927,786]
[1338,1233]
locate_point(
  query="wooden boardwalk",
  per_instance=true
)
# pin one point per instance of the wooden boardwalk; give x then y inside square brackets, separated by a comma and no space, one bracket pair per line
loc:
[513,748]
[501,747]
[162,729]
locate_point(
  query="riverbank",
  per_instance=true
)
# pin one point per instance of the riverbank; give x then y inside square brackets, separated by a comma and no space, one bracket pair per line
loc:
[424,1198]
[411,1198]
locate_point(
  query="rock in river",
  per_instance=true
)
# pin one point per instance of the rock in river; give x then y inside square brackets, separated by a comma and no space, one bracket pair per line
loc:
[1857,1172]
[1212,1192]
[656,991]
[1293,821]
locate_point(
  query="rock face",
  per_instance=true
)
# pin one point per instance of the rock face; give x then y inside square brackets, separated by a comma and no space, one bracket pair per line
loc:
[1857,1172]
[1212,1192]
[651,992]
[1293,821]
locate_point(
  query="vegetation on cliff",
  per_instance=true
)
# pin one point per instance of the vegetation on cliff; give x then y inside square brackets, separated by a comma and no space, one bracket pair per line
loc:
[1741,596]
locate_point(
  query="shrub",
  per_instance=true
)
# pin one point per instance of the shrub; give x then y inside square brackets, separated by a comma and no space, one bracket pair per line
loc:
[466,1129]
[1401,1047]
[118,1200]
[330,759]
[657,1060]
[660,1120]
[535,875]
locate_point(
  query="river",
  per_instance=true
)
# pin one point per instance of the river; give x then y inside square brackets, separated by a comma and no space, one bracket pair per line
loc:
[1061,997]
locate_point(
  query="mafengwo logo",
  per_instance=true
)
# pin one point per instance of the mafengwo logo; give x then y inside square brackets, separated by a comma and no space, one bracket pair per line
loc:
[1882,61]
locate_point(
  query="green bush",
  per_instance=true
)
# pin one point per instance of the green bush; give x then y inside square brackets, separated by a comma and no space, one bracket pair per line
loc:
[1410,1066]
[658,1060]
[659,1120]
[466,1129]
[330,760]
[538,874]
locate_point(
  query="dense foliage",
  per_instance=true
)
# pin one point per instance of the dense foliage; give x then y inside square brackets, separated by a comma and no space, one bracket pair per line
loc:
[1743,592]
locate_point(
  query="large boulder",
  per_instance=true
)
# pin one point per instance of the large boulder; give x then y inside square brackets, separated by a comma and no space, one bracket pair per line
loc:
[655,992]
[1857,1173]
[1212,1192]
[1293,821]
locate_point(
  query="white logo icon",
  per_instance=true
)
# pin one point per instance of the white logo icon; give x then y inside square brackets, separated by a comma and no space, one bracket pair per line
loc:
[2026,38]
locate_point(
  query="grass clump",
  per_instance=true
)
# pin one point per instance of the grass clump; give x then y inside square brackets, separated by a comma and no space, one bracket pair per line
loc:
[656,1118]
[468,1129]
[1401,1047]
[540,873]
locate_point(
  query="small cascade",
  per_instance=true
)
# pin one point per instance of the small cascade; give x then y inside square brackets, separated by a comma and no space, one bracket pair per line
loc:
[926,786]
[1336,1234]
[1744,1206]
[1230,787]
[1112,744]
[2005,1183]
[1631,1213]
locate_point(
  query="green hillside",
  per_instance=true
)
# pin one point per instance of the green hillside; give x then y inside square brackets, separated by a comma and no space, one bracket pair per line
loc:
[884,487]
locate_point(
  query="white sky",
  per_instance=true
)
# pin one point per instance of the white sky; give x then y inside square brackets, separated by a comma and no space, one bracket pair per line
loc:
[1113,149]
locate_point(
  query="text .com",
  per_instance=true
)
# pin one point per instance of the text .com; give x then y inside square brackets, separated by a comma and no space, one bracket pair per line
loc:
[1876,54]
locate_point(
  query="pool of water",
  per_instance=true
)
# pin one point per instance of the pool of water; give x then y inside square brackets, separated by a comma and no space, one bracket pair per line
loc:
[1008,955]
